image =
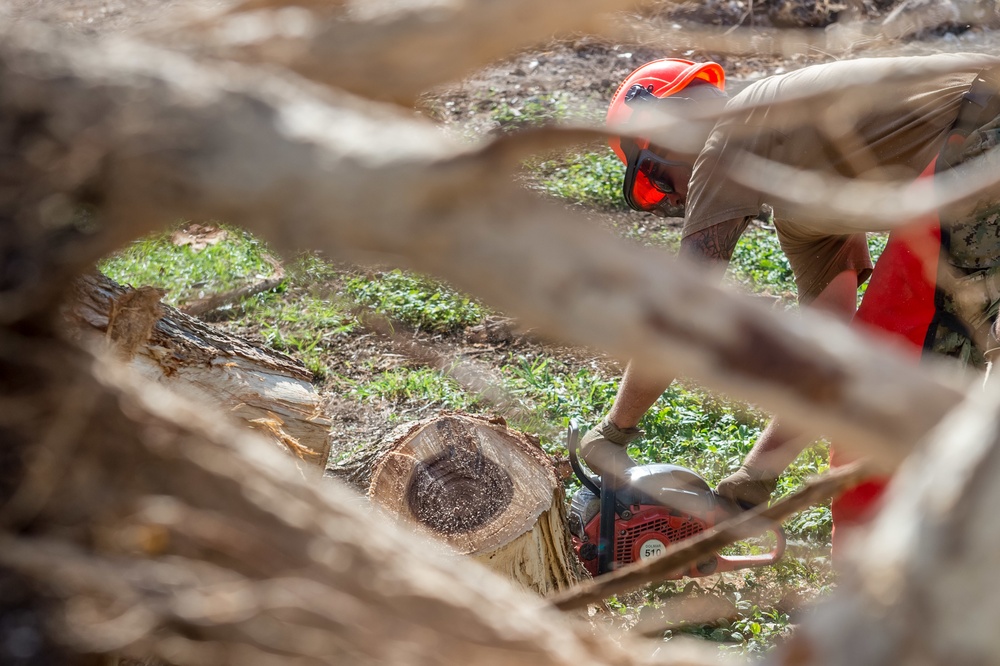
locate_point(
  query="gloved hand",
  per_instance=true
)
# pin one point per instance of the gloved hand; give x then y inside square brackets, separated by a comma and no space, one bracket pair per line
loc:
[748,487]
[603,449]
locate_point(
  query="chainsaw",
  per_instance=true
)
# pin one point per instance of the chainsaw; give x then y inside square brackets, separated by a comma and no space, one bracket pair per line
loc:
[656,506]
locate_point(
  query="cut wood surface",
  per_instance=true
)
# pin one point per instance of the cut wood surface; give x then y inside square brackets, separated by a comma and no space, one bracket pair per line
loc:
[269,391]
[484,490]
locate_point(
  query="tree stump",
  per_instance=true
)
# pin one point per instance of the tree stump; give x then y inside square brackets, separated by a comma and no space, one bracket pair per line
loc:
[269,391]
[481,489]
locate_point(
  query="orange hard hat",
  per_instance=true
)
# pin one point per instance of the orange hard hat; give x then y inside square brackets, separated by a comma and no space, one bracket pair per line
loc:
[659,78]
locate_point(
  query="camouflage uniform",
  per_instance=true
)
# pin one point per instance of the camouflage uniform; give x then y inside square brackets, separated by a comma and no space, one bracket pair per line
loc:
[968,294]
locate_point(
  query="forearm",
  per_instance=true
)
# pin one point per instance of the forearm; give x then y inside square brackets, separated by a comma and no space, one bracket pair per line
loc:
[636,394]
[714,244]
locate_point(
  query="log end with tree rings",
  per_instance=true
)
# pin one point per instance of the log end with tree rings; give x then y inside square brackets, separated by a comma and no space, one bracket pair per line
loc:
[469,481]
[458,490]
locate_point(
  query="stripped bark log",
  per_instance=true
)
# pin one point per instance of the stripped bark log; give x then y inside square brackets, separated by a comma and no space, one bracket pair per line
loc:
[483,490]
[160,527]
[269,391]
[391,51]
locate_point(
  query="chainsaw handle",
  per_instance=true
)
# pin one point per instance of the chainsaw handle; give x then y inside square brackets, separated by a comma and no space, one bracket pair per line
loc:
[573,445]
[736,562]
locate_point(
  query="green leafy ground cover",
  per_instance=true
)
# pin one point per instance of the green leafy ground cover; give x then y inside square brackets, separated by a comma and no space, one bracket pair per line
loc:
[317,313]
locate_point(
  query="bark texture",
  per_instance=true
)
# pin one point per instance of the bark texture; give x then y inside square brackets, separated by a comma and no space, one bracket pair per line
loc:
[296,173]
[921,579]
[156,529]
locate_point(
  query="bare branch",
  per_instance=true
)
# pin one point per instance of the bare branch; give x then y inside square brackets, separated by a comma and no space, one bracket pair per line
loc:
[928,559]
[310,172]
[395,51]
[203,306]
[176,534]
[852,205]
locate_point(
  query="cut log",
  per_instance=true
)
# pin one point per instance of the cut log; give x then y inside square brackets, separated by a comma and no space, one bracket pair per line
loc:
[480,488]
[269,391]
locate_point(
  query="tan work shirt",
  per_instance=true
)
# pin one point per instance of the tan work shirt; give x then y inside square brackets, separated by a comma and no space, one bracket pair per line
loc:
[891,131]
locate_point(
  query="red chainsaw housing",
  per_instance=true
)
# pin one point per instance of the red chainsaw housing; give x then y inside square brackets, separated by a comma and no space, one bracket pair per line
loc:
[650,529]
[655,508]
[647,532]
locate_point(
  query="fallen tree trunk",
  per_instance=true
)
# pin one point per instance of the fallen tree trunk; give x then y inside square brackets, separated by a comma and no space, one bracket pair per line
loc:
[269,391]
[479,488]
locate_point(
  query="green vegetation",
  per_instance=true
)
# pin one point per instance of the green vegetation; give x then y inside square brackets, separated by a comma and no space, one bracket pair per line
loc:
[417,301]
[759,265]
[416,386]
[187,274]
[746,629]
[588,178]
[300,322]
[753,631]
[532,111]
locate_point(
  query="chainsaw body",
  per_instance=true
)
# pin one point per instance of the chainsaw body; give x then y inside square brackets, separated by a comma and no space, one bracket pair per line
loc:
[654,507]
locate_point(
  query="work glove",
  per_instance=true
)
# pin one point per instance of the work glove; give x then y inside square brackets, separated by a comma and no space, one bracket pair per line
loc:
[603,449]
[748,487]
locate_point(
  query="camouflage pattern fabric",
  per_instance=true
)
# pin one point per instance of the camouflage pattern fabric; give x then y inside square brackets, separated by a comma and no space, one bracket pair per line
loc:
[975,241]
[970,292]
[975,238]
[970,306]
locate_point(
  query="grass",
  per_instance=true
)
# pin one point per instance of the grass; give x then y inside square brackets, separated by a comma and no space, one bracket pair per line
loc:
[532,111]
[417,301]
[590,178]
[423,386]
[759,265]
[187,274]
[299,322]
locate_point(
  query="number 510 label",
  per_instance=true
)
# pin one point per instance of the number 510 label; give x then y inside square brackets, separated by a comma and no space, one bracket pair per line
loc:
[651,548]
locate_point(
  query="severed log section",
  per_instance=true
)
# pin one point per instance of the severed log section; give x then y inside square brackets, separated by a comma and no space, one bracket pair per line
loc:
[485,491]
[269,391]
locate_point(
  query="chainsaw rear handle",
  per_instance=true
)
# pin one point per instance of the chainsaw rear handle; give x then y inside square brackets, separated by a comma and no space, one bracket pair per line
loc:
[591,483]
[606,531]
[736,562]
